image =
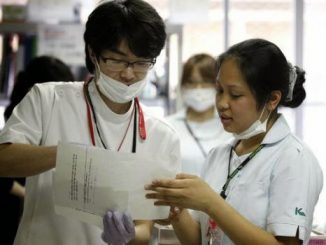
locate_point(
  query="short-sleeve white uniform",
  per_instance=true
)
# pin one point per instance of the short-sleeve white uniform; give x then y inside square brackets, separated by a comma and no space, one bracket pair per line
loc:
[209,134]
[53,112]
[277,190]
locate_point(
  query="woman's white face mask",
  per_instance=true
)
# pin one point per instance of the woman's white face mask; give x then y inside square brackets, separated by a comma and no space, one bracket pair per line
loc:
[199,99]
[256,128]
[117,91]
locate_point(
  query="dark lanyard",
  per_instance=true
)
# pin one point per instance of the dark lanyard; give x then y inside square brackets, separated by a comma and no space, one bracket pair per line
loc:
[200,146]
[241,166]
[137,110]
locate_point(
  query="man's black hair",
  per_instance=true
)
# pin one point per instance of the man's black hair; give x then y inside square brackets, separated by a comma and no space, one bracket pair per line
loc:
[134,21]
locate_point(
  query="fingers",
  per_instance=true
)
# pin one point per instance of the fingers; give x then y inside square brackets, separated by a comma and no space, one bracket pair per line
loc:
[165,184]
[165,195]
[129,224]
[169,183]
[118,228]
[182,181]
[106,235]
[186,176]
[118,223]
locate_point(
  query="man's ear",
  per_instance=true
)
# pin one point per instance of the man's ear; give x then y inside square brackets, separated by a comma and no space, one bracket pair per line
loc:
[91,54]
[274,100]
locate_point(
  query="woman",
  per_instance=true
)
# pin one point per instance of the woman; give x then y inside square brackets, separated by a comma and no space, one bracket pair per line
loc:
[196,123]
[262,188]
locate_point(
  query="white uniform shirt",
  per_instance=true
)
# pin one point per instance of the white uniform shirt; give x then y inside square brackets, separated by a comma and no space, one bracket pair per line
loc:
[209,134]
[277,190]
[53,112]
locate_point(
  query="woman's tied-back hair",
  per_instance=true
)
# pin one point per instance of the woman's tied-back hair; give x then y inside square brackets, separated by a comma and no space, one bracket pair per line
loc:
[135,21]
[265,68]
[204,64]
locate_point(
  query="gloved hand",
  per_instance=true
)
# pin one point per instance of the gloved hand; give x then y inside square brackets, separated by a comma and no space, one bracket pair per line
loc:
[119,228]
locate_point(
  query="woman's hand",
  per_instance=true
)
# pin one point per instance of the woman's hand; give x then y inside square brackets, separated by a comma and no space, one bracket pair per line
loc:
[186,191]
[173,216]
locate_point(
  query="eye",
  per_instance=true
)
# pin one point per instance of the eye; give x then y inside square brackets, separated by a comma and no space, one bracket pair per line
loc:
[117,62]
[236,96]
[144,64]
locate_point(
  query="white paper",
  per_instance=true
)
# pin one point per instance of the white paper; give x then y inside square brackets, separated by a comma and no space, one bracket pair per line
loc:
[88,181]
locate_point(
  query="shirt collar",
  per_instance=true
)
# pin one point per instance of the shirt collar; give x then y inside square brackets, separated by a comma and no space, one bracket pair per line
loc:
[278,132]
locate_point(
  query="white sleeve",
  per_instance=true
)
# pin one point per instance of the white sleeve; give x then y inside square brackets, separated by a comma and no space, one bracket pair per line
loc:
[295,186]
[25,123]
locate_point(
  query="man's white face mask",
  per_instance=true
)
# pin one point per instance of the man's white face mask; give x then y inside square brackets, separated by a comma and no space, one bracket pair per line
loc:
[256,128]
[199,99]
[117,91]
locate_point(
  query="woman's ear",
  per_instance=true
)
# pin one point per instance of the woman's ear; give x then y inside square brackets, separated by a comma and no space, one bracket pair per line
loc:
[274,100]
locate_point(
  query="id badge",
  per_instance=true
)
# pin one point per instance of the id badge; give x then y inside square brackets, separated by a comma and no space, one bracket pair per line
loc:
[214,233]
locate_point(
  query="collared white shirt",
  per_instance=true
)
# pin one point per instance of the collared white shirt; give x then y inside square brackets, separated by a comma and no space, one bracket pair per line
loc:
[53,112]
[277,190]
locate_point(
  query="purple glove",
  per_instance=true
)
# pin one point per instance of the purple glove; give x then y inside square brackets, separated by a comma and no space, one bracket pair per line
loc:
[119,228]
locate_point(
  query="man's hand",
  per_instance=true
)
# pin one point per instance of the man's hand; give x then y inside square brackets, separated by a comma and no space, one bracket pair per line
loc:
[119,228]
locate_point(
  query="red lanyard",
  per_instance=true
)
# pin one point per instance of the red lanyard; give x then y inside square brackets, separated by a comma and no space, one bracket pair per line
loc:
[137,107]
[212,232]
[141,122]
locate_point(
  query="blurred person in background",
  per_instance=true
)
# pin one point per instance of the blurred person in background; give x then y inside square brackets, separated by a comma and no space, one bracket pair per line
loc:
[197,123]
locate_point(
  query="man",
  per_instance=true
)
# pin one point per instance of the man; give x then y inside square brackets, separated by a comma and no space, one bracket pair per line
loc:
[122,41]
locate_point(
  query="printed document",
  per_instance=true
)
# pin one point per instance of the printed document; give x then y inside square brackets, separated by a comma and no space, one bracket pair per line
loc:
[88,181]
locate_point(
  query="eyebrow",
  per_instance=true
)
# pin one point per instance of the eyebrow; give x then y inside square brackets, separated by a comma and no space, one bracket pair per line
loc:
[118,52]
[229,86]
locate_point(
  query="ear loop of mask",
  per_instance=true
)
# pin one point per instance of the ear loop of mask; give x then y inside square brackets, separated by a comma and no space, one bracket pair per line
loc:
[265,107]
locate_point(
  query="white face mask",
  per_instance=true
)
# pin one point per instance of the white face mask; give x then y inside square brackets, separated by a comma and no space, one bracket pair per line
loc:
[199,99]
[117,91]
[256,128]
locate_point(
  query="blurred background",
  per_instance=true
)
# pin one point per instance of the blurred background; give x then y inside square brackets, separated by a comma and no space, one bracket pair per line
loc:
[55,27]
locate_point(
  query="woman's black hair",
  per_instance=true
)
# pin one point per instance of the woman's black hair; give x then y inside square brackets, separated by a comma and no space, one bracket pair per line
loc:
[134,21]
[265,69]
[39,70]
